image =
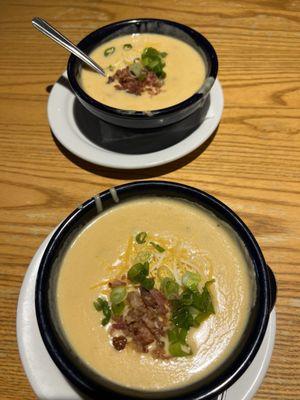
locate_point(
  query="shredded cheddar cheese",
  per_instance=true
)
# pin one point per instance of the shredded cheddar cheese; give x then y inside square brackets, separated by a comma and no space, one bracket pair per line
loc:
[176,258]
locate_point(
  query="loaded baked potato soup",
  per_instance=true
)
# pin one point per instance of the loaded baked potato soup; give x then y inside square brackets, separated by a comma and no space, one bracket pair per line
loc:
[144,72]
[155,293]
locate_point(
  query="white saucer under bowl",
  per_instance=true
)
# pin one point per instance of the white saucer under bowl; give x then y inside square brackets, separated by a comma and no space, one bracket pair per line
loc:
[71,135]
[47,381]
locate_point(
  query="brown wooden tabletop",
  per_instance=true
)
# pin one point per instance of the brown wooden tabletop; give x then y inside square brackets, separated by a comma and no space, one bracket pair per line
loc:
[252,163]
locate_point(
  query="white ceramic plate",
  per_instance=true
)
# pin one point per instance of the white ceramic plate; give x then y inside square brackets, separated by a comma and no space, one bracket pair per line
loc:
[49,383]
[65,128]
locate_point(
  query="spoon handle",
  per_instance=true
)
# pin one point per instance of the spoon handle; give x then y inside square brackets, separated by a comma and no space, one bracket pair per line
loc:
[59,38]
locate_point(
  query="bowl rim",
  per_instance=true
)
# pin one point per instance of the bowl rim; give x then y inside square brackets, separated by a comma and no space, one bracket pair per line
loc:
[131,114]
[75,374]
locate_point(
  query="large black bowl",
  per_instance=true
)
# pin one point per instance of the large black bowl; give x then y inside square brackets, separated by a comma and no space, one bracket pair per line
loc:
[76,371]
[156,118]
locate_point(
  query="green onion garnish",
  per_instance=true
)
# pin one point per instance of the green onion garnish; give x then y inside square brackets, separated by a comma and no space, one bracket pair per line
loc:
[186,297]
[191,280]
[177,335]
[118,294]
[177,349]
[118,309]
[137,70]
[109,51]
[153,60]
[98,304]
[202,301]
[141,237]
[102,305]
[148,283]
[138,272]
[169,288]
[182,317]
[127,46]
[178,346]
[157,247]
[192,307]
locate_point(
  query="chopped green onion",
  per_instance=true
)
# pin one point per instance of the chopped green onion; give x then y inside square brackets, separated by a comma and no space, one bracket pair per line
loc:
[109,51]
[182,335]
[148,283]
[98,304]
[169,288]
[102,305]
[118,294]
[157,247]
[141,237]
[203,301]
[163,54]
[182,317]
[138,70]
[118,309]
[201,317]
[173,335]
[186,297]
[138,272]
[178,346]
[176,349]
[191,280]
[177,335]
[135,68]
[111,68]
[127,46]
[107,314]
[194,312]
[153,60]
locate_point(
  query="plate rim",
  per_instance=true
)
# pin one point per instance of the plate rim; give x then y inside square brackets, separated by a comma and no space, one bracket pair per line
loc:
[23,329]
[61,120]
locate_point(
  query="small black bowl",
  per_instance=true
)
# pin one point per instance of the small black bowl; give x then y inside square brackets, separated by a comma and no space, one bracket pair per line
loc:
[78,373]
[155,118]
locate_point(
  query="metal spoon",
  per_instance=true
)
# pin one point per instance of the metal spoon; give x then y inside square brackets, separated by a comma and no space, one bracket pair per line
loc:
[48,30]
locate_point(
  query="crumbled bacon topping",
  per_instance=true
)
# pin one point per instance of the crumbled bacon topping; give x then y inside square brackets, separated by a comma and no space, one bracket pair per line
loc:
[131,84]
[119,323]
[119,342]
[146,321]
[116,283]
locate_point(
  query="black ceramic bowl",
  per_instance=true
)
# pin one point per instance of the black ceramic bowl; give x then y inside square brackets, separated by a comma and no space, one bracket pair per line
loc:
[76,371]
[156,118]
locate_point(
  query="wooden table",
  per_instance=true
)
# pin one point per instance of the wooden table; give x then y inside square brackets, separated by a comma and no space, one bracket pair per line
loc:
[252,163]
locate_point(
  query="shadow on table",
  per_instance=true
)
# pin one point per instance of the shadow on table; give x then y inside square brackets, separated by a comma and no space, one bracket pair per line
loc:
[137,173]
[128,141]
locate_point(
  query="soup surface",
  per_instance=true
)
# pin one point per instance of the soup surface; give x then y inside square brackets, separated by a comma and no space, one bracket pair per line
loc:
[95,256]
[184,68]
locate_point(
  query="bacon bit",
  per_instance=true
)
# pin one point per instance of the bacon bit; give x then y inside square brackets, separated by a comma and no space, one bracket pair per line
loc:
[146,320]
[119,325]
[155,299]
[159,352]
[116,283]
[119,342]
[141,335]
[131,84]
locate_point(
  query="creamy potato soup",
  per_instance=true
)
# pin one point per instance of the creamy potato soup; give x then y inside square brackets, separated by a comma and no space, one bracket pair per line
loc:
[144,72]
[155,293]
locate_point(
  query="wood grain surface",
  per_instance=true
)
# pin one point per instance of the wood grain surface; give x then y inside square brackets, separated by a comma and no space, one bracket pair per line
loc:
[252,163]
